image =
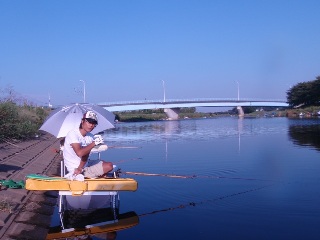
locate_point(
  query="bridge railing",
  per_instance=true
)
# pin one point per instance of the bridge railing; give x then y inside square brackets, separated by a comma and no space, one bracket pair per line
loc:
[194,100]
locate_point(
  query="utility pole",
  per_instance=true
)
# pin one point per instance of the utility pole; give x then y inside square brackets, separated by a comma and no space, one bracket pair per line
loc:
[164,92]
[238,91]
[84,91]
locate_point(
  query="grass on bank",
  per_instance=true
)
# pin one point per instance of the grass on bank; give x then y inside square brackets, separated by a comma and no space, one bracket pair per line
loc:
[140,116]
[20,122]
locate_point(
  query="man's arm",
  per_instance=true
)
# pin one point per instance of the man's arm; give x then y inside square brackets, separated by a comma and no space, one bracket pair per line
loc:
[83,153]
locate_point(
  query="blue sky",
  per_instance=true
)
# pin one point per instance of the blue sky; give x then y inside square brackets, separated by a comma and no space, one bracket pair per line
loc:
[124,49]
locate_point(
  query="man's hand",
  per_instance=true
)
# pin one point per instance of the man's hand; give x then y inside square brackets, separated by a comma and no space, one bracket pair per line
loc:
[77,171]
[98,139]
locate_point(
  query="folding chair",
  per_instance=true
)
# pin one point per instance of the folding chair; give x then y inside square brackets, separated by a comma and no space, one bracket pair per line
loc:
[89,199]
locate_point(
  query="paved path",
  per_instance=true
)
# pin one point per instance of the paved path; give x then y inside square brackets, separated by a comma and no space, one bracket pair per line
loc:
[27,214]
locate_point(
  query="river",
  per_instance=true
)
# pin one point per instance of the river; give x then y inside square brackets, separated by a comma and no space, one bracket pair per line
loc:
[219,178]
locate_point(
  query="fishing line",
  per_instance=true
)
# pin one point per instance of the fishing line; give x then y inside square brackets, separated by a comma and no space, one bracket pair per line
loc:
[193,204]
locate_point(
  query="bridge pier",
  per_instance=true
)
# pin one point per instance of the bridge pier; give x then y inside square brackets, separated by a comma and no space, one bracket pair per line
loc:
[172,113]
[240,111]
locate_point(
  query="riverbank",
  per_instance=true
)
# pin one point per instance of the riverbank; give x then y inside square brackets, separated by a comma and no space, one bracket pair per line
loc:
[27,214]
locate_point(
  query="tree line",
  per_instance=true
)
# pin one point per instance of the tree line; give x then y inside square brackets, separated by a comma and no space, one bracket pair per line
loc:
[304,94]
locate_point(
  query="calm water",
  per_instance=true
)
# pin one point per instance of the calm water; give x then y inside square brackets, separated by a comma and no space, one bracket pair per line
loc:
[222,178]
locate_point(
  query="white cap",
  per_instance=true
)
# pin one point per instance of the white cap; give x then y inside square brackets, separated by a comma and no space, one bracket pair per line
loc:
[91,115]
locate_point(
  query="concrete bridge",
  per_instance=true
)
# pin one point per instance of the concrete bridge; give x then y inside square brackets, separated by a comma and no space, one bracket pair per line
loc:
[172,106]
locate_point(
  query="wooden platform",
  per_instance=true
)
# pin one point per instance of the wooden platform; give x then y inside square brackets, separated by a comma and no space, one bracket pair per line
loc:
[35,183]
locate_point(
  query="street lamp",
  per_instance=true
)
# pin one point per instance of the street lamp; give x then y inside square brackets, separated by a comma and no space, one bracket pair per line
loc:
[238,89]
[84,91]
[164,92]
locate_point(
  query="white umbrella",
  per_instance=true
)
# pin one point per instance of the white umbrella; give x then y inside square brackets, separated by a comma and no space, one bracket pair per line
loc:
[66,118]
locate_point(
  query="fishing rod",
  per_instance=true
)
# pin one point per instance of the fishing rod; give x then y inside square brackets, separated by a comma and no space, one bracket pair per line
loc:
[131,159]
[190,176]
[128,147]
[156,174]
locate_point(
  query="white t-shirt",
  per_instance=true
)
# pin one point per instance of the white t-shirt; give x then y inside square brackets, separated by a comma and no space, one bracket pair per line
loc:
[71,159]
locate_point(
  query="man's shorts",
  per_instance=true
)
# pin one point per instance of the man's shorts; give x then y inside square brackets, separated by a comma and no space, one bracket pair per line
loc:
[93,171]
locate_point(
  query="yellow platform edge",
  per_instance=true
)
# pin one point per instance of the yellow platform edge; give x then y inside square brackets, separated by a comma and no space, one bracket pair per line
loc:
[100,184]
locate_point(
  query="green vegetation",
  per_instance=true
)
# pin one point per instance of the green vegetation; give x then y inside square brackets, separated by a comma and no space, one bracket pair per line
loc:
[304,94]
[157,114]
[19,121]
[140,115]
[137,116]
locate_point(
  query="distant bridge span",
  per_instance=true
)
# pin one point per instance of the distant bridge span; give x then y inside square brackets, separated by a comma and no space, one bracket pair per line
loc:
[172,106]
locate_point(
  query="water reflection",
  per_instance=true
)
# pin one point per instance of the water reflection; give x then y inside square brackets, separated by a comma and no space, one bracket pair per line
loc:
[144,131]
[172,127]
[305,135]
[92,217]
[240,129]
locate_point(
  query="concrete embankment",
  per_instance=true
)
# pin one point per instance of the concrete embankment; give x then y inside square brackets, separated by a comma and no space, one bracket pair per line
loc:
[27,214]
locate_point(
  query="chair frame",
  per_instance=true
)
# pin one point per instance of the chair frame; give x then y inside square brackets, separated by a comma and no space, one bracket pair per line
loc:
[114,195]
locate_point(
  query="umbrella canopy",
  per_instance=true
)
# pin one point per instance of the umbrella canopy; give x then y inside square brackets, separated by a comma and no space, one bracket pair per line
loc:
[66,118]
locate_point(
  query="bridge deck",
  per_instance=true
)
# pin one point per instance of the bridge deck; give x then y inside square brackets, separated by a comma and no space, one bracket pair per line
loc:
[185,103]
